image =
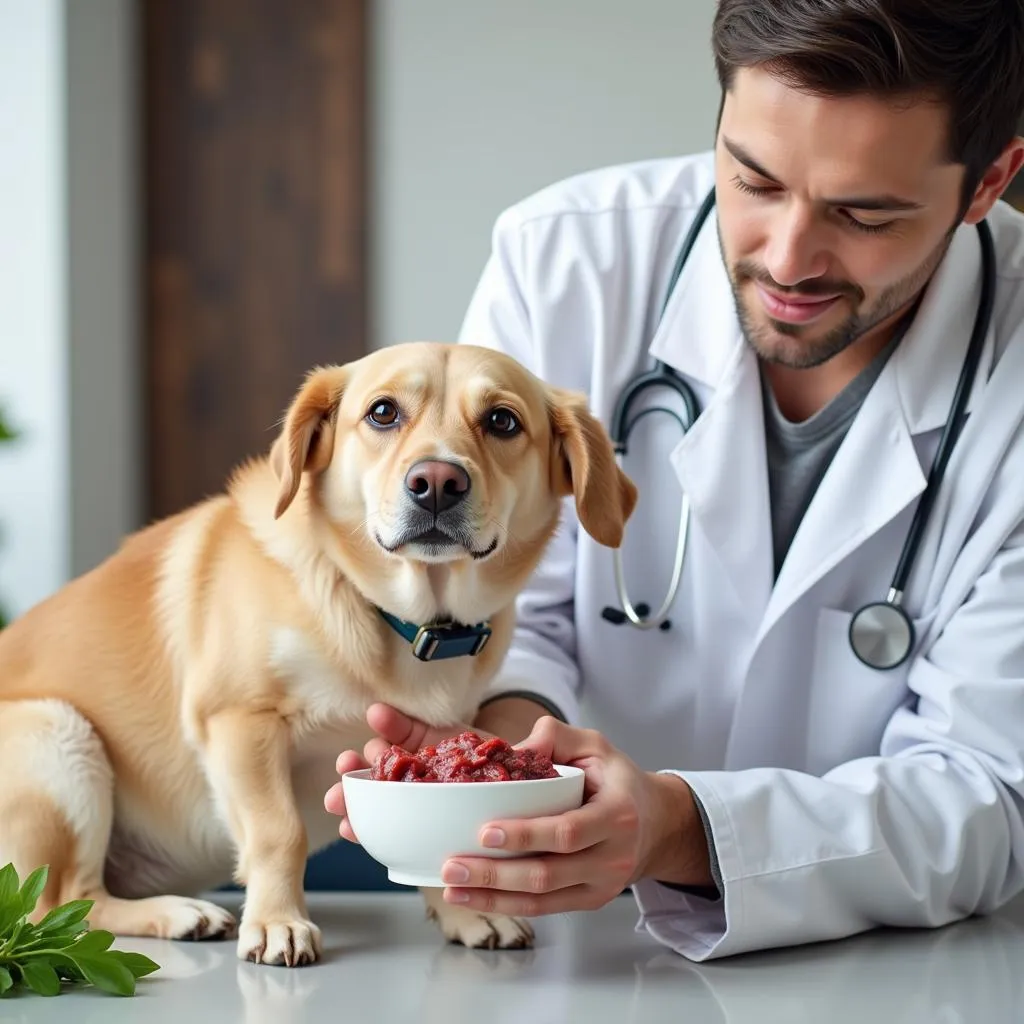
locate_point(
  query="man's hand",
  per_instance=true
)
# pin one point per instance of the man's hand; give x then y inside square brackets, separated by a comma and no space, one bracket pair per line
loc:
[391,726]
[632,825]
[511,718]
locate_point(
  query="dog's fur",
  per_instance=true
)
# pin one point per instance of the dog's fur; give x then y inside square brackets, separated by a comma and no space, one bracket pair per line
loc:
[171,719]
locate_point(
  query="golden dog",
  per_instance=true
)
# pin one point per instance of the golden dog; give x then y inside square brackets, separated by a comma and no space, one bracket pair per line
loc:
[171,719]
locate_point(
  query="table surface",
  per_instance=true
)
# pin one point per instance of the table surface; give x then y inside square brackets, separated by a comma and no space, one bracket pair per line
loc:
[383,961]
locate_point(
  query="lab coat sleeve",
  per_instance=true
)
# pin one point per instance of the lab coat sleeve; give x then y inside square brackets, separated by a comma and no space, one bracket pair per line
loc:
[927,832]
[541,661]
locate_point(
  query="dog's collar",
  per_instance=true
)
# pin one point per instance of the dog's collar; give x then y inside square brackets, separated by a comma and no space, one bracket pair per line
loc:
[440,639]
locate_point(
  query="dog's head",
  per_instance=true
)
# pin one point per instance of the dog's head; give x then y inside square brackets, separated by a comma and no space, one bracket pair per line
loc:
[438,453]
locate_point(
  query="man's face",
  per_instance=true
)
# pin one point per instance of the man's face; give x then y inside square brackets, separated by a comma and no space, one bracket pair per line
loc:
[833,213]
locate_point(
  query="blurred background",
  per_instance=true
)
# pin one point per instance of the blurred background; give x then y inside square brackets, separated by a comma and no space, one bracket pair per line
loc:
[201,199]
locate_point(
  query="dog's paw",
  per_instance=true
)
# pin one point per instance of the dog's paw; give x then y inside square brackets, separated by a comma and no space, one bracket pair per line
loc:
[478,930]
[292,943]
[194,920]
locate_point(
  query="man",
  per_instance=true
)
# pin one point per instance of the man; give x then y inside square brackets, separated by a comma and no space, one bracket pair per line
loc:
[754,781]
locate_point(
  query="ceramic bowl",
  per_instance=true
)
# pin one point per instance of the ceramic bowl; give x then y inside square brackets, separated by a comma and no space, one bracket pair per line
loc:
[412,828]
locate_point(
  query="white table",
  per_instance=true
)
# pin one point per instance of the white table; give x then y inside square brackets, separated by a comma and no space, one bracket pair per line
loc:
[384,962]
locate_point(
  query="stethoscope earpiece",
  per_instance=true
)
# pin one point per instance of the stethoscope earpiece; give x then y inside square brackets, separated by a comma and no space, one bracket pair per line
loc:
[617,617]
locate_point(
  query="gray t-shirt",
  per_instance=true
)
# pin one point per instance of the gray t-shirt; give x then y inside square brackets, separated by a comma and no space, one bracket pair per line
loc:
[800,453]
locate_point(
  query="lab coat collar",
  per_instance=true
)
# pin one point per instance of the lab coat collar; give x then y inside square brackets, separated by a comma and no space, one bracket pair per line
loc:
[927,363]
[700,333]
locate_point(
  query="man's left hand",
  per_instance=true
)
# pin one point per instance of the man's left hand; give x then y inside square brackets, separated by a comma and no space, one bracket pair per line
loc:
[633,824]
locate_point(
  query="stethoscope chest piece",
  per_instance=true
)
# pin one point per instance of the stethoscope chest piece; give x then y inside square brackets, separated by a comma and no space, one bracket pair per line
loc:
[881,634]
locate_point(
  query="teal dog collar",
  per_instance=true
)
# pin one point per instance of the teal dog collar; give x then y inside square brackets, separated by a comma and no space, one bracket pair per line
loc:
[442,639]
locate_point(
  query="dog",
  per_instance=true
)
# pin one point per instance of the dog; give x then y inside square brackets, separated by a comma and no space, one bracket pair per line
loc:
[170,720]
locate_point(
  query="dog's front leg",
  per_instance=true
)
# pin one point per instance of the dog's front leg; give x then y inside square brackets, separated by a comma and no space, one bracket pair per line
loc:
[248,761]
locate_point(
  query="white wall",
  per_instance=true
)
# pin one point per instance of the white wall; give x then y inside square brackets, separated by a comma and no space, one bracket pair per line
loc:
[104,282]
[476,103]
[68,289]
[479,102]
[34,509]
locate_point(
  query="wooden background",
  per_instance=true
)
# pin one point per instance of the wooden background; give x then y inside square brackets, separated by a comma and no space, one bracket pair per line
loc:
[255,122]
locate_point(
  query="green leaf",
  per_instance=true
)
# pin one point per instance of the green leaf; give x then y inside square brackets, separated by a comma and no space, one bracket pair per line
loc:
[40,977]
[51,941]
[7,432]
[137,963]
[62,918]
[10,904]
[92,942]
[32,888]
[58,940]
[66,969]
[107,973]
[9,884]
[61,947]
[13,940]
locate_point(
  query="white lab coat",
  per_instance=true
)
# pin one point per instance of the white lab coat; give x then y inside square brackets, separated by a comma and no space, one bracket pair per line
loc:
[839,798]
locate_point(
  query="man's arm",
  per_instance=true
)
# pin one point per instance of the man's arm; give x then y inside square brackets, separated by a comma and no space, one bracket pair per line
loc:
[927,832]
[681,852]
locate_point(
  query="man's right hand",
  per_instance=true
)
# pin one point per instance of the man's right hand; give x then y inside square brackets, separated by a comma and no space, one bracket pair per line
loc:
[391,726]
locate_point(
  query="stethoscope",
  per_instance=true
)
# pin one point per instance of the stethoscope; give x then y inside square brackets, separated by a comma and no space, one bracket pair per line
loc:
[881,632]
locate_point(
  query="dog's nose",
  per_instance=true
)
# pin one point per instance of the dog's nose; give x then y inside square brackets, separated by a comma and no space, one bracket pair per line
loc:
[436,486]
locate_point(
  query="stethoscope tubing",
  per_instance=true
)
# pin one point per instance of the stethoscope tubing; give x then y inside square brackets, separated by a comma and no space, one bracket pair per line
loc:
[880,626]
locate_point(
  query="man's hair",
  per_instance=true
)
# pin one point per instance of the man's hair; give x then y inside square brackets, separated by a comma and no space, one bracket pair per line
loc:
[966,54]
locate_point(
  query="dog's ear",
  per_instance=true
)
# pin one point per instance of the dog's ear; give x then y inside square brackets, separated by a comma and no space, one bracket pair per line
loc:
[585,467]
[306,441]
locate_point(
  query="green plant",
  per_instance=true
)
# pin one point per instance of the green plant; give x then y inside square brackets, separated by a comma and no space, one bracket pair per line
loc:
[61,949]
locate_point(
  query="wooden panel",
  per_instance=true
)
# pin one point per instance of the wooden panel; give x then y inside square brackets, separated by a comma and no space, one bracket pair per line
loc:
[255,222]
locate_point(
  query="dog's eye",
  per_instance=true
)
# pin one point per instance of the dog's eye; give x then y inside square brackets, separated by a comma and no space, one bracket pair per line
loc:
[503,423]
[383,413]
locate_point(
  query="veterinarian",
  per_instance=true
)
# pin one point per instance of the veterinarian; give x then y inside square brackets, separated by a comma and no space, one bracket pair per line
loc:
[768,767]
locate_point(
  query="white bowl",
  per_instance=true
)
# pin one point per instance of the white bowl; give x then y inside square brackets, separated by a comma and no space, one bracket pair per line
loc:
[412,828]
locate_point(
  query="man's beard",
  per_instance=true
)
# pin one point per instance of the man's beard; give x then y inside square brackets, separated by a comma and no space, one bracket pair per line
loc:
[764,337]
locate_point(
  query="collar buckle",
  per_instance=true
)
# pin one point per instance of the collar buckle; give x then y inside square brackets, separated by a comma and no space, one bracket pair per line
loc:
[450,640]
[441,640]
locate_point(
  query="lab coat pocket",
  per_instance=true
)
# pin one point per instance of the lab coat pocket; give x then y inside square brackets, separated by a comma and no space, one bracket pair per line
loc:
[849,704]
